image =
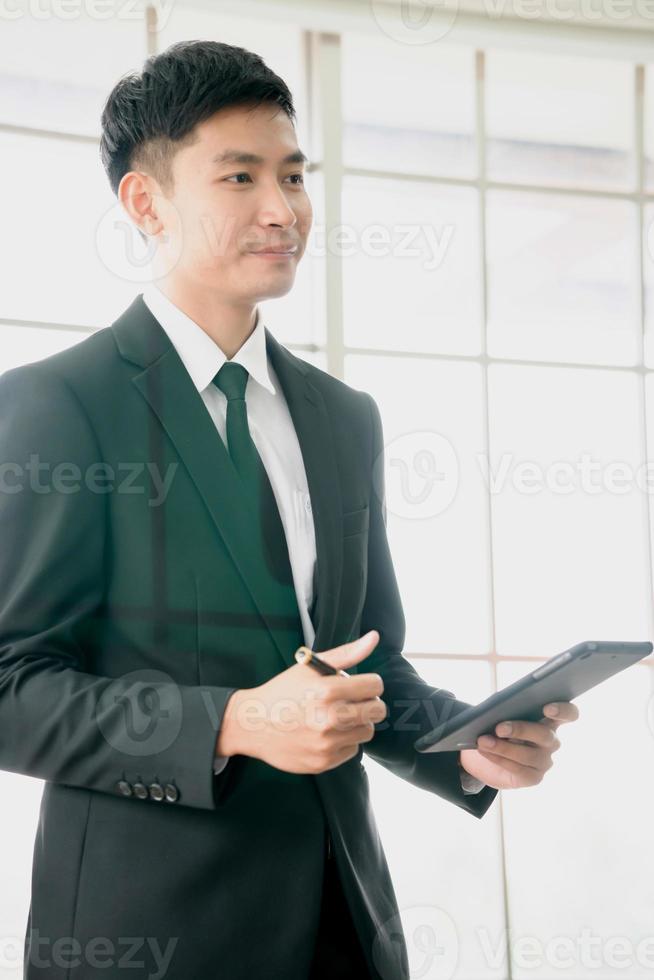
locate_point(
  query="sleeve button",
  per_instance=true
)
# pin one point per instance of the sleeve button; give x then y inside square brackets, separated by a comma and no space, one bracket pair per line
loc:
[156,791]
[141,791]
[171,793]
[124,788]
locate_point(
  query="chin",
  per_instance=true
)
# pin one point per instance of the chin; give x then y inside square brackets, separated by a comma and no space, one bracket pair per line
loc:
[275,287]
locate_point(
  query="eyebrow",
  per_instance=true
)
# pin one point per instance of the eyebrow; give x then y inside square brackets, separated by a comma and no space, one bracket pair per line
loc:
[241,156]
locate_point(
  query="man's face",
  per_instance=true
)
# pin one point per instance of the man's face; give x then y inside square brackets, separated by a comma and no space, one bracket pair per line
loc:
[223,210]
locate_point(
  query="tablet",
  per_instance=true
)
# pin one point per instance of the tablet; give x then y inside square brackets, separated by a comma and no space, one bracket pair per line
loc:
[563,678]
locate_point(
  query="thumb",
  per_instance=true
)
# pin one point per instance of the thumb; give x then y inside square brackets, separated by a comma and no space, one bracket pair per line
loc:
[351,653]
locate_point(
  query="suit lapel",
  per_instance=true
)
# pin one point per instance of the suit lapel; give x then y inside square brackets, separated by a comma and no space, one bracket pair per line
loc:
[167,387]
[311,420]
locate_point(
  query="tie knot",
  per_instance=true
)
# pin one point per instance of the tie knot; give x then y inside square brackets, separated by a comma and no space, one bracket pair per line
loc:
[232,379]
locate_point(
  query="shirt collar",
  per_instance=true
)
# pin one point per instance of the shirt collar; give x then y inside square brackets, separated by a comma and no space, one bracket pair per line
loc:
[201,356]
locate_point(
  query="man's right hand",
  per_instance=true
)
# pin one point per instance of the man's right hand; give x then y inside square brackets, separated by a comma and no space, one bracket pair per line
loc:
[305,722]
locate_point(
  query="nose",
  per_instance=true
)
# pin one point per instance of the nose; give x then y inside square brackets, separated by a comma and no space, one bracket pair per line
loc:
[275,208]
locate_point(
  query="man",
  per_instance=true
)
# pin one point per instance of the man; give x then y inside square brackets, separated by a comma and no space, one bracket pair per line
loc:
[184,504]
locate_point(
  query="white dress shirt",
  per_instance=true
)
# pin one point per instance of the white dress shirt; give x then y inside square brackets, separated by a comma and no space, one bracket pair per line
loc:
[273,433]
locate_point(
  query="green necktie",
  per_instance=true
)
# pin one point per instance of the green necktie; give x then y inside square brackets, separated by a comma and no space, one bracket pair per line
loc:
[232,380]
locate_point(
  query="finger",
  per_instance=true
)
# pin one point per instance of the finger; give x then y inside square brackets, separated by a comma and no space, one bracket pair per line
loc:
[524,755]
[527,731]
[361,733]
[525,775]
[347,714]
[357,687]
[518,741]
[349,654]
[373,710]
[561,710]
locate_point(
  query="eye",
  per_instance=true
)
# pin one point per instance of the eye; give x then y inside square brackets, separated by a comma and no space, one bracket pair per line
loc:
[238,175]
[301,180]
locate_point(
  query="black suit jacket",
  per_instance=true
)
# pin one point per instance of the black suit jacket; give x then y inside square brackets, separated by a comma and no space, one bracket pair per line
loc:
[128,615]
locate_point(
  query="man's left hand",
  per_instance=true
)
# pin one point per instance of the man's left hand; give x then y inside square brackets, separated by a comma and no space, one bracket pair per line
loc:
[523,758]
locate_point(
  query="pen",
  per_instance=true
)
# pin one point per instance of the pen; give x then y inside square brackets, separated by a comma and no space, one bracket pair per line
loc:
[304,655]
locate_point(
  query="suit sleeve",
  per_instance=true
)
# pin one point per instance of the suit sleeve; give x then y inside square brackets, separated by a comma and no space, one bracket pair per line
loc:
[414,706]
[220,763]
[59,721]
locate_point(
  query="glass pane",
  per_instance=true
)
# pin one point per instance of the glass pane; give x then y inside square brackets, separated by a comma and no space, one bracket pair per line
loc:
[562,278]
[569,535]
[648,271]
[299,316]
[56,267]
[58,68]
[445,864]
[436,508]
[22,345]
[17,836]
[559,120]
[410,266]
[649,421]
[649,128]
[278,43]
[408,108]
[579,862]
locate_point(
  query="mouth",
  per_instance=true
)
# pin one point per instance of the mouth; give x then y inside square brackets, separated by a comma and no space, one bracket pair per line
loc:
[277,252]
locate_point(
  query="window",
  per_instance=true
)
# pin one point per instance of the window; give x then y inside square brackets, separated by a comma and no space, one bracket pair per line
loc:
[559,121]
[482,262]
[497,371]
[407,108]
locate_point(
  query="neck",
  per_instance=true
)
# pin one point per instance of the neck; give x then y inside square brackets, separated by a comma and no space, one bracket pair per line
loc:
[229,325]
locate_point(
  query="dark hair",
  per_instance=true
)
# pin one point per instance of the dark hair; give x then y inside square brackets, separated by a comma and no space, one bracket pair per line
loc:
[148,116]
